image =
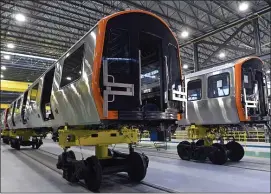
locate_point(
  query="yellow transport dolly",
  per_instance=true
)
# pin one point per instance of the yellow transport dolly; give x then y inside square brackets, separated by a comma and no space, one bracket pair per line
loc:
[24,137]
[203,148]
[105,161]
[5,136]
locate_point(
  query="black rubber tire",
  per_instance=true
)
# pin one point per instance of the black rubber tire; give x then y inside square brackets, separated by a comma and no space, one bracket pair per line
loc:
[39,143]
[137,167]
[184,152]
[5,140]
[200,142]
[200,154]
[236,151]
[218,155]
[17,145]
[12,144]
[68,172]
[59,163]
[93,174]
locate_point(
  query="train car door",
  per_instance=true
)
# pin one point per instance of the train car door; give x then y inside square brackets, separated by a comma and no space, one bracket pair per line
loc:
[152,71]
[120,74]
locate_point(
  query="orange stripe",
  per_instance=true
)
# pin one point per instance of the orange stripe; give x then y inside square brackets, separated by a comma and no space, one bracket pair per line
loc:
[239,87]
[98,59]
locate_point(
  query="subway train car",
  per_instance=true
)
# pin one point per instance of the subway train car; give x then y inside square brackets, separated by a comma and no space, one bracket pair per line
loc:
[93,95]
[222,98]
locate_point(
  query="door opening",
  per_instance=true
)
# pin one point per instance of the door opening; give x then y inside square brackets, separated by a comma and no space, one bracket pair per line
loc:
[152,88]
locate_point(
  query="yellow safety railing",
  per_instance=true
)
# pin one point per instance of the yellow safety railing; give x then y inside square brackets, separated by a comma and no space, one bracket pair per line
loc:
[252,136]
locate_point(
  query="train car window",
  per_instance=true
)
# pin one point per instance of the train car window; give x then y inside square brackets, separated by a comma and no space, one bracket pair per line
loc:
[194,90]
[11,109]
[72,67]
[18,104]
[219,85]
[34,93]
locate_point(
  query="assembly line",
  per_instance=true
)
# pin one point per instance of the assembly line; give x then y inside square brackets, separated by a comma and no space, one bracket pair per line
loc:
[83,119]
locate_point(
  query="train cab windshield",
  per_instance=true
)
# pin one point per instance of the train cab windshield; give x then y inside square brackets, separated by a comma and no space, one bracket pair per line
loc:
[141,64]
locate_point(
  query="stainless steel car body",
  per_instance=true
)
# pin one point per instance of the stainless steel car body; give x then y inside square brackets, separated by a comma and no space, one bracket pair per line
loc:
[72,104]
[208,111]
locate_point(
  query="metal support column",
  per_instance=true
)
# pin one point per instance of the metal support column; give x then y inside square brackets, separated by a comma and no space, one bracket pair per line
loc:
[257,36]
[196,57]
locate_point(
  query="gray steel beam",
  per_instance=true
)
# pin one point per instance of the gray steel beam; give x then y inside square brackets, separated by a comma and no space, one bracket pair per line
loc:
[262,57]
[257,41]
[225,46]
[196,57]
[226,42]
[232,24]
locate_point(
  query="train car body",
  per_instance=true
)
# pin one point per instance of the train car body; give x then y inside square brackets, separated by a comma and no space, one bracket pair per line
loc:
[94,95]
[98,80]
[219,99]
[229,94]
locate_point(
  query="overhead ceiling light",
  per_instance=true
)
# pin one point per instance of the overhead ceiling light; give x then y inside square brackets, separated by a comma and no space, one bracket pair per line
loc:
[184,34]
[243,6]
[3,67]
[185,66]
[2,76]
[10,45]
[7,57]
[222,55]
[268,71]
[20,17]
[68,78]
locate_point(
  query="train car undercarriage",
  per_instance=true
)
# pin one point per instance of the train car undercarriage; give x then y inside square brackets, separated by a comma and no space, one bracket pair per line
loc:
[21,137]
[105,161]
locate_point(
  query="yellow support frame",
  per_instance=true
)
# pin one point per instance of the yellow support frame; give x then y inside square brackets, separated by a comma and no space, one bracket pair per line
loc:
[200,132]
[98,138]
[81,137]
[24,133]
[5,133]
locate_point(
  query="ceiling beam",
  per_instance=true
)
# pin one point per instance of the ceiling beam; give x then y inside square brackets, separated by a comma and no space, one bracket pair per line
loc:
[224,43]
[232,24]
[225,46]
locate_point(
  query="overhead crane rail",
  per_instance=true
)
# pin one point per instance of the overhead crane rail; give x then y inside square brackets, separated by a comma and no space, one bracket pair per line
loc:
[14,86]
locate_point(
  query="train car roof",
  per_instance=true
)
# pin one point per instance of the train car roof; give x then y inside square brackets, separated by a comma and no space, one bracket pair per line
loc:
[209,70]
[220,67]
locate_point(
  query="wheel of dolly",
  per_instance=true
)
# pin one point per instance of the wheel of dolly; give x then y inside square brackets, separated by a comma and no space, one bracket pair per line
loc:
[200,142]
[236,151]
[17,145]
[137,167]
[184,150]
[218,155]
[12,144]
[68,171]
[93,174]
